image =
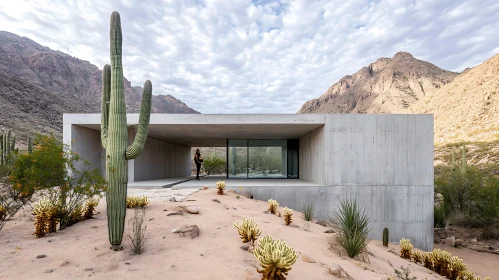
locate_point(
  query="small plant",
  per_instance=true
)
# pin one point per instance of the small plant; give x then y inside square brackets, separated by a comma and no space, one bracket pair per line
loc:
[308,211]
[138,230]
[220,187]
[273,204]
[405,274]
[385,237]
[457,267]
[237,196]
[428,260]
[248,231]
[351,225]
[417,257]
[90,206]
[41,210]
[275,257]
[405,248]
[137,201]
[288,215]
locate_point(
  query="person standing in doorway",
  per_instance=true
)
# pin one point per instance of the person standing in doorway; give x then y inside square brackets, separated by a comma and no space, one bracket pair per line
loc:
[198,159]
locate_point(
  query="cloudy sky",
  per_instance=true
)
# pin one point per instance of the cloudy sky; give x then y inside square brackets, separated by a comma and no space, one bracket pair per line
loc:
[261,56]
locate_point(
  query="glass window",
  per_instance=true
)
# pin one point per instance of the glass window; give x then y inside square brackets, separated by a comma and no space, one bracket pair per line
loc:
[237,158]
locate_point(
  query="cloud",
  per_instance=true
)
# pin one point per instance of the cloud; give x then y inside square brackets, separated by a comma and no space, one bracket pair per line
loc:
[259,56]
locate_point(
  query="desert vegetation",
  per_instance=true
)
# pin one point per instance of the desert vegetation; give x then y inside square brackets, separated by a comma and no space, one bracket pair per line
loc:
[220,187]
[470,196]
[137,201]
[439,261]
[248,231]
[138,230]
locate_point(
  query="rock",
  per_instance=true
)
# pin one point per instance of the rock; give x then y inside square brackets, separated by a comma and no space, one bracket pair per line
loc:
[174,213]
[41,256]
[216,200]
[191,231]
[175,230]
[474,240]
[450,241]
[88,269]
[307,259]
[172,199]
[294,226]
[322,223]
[337,270]
[329,231]
[245,247]
[459,243]
[266,212]
[192,210]
[191,200]
[49,271]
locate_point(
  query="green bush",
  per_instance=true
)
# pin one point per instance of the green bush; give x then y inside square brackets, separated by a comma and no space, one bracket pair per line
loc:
[213,165]
[308,211]
[352,225]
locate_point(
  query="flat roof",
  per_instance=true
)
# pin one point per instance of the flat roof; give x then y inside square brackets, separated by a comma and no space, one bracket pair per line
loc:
[209,130]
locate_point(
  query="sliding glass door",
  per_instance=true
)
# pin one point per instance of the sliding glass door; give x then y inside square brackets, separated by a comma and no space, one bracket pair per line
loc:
[262,158]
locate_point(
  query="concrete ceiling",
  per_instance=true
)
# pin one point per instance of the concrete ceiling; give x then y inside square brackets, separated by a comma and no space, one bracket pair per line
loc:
[215,135]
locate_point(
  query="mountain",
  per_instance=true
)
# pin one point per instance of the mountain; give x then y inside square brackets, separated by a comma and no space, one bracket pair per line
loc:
[38,85]
[385,86]
[466,109]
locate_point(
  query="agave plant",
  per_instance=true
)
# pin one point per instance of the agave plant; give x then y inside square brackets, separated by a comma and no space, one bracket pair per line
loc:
[275,257]
[352,225]
[90,207]
[273,204]
[248,231]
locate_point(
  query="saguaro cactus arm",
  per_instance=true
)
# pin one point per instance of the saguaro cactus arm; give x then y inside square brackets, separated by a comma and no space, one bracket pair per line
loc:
[106,96]
[137,146]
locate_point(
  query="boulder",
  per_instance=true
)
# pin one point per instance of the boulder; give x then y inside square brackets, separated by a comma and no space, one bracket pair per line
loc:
[450,241]
[191,231]
[192,210]
[245,247]
[459,243]
[307,259]
[329,231]
[322,223]
[337,270]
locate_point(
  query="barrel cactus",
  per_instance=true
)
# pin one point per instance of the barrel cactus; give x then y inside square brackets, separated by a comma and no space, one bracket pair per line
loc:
[385,237]
[114,134]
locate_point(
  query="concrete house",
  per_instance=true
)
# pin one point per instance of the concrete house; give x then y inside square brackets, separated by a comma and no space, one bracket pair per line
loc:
[385,162]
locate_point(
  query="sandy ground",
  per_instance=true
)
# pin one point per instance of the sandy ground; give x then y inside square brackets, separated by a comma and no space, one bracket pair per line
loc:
[82,250]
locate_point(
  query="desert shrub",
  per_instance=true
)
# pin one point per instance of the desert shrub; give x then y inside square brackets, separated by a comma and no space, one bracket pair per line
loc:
[90,206]
[52,170]
[214,165]
[275,257]
[288,215]
[308,211]
[41,211]
[471,198]
[220,187]
[138,230]
[248,231]
[439,220]
[352,227]
[273,204]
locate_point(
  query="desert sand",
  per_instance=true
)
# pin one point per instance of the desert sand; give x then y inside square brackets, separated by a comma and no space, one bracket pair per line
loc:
[82,250]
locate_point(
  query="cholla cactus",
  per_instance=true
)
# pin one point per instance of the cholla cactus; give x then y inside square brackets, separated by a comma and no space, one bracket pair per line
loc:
[405,248]
[456,268]
[417,257]
[220,187]
[441,260]
[41,210]
[428,260]
[288,215]
[466,276]
[248,231]
[273,204]
[275,257]
[3,212]
[136,201]
[90,207]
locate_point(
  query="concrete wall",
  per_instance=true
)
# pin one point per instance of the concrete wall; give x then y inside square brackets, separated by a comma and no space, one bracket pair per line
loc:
[385,162]
[311,156]
[161,159]
[86,142]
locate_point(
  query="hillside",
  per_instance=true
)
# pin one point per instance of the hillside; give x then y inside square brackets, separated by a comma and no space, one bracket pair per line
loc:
[47,83]
[385,86]
[467,109]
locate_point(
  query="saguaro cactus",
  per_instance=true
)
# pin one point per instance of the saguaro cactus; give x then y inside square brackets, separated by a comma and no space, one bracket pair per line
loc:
[30,145]
[385,237]
[6,146]
[114,134]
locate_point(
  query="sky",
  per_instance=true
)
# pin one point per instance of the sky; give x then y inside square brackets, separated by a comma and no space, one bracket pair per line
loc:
[260,56]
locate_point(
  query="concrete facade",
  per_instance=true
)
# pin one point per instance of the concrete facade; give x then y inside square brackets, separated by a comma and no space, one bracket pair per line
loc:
[385,162]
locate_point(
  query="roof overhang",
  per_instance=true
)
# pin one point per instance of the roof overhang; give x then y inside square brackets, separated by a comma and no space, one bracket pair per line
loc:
[199,130]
